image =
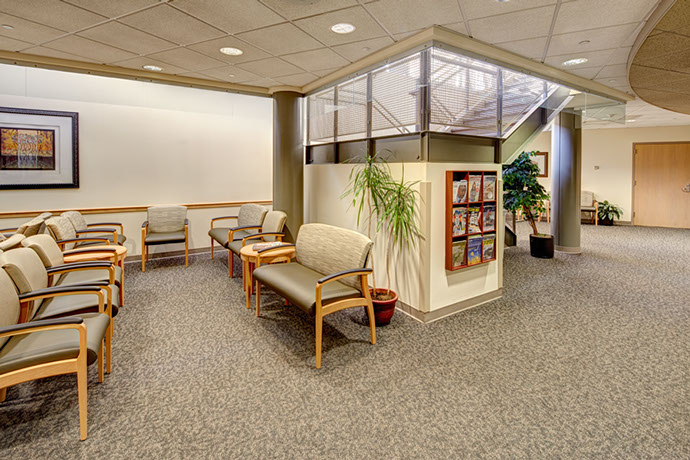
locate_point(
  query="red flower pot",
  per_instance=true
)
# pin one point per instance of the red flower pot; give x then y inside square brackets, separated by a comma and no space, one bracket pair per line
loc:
[383,309]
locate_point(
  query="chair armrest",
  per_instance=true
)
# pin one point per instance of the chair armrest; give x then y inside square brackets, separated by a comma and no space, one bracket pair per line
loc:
[58,290]
[76,266]
[282,246]
[67,322]
[108,224]
[86,251]
[246,227]
[145,224]
[260,235]
[97,230]
[7,230]
[223,217]
[186,221]
[338,275]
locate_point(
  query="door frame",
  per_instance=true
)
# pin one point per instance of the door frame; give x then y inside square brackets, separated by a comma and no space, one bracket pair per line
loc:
[634,148]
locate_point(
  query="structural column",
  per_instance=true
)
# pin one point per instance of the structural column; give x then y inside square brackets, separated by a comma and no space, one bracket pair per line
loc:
[566,169]
[288,160]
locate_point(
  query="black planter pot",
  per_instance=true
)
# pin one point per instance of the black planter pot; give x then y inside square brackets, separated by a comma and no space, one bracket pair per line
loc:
[541,246]
[606,221]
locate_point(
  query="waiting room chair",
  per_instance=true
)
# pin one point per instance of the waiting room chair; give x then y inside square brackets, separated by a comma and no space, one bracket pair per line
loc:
[44,348]
[271,230]
[588,204]
[82,228]
[14,241]
[329,274]
[249,221]
[164,225]
[66,236]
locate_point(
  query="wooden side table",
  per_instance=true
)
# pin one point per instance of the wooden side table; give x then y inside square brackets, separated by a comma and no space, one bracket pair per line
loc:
[249,256]
[117,257]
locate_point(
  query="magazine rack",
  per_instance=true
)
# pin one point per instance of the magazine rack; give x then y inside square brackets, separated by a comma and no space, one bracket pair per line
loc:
[470,218]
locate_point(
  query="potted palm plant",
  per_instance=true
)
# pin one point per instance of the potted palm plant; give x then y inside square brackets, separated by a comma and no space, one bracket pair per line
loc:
[522,191]
[390,207]
[607,212]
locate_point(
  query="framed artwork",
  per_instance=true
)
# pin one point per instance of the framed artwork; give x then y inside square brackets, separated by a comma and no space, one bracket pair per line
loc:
[38,149]
[541,159]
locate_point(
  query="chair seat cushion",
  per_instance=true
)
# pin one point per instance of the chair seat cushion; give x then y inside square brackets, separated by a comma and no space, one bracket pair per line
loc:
[220,234]
[67,305]
[297,283]
[235,246]
[12,242]
[164,238]
[86,276]
[588,208]
[43,347]
[120,239]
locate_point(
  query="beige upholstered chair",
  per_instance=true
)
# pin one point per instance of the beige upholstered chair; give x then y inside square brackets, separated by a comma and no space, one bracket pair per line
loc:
[13,241]
[588,204]
[62,230]
[28,228]
[115,236]
[47,347]
[329,274]
[164,225]
[271,230]
[249,221]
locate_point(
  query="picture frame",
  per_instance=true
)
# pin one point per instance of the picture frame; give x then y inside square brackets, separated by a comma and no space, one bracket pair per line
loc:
[39,149]
[541,159]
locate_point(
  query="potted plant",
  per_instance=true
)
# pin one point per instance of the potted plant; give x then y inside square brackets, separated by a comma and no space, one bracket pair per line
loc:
[522,191]
[391,208]
[607,212]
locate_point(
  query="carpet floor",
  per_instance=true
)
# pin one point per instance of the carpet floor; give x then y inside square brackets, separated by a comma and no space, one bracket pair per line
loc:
[585,356]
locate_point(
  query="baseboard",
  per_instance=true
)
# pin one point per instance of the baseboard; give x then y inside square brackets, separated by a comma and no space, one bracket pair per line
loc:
[623,223]
[163,255]
[435,315]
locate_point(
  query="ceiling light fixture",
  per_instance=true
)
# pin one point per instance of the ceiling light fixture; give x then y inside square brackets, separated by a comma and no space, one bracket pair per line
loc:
[502,1]
[613,80]
[8,27]
[632,121]
[584,42]
[231,51]
[576,61]
[152,68]
[231,75]
[343,28]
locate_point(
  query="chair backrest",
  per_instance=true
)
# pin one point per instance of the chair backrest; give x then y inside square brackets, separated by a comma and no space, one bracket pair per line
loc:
[586,198]
[251,214]
[328,249]
[12,242]
[76,219]
[61,229]
[46,248]
[273,223]
[26,270]
[9,304]
[31,227]
[164,219]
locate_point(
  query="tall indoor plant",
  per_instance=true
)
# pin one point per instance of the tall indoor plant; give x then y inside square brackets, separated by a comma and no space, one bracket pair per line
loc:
[390,208]
[522,191]
[608,212]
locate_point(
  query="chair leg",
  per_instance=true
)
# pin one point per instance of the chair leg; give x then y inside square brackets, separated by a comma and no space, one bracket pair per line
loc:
[258,299]
[100,362]
[81,389]
[143,260]
[372,322]
[211,248]
[147,253]
[319,331]
[186,252]
[230,263]
[109,346]
[3,394]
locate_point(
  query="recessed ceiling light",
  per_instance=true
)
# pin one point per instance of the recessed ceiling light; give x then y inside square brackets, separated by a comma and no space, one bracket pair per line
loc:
[584,42]
[502,1]
[231,75]
[8,27]
[152,68]
[631,121]
[343,28]
[231,51]
[366,48]
[576,61]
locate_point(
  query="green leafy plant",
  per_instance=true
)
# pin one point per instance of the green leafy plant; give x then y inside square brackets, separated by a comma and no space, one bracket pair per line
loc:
[609,211]
[522,190]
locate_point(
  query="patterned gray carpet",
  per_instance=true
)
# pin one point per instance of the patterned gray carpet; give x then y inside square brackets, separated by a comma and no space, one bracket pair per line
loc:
[585,357]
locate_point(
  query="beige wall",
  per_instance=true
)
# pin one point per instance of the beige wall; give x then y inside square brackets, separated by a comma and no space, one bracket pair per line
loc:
[145,143]
[611,150]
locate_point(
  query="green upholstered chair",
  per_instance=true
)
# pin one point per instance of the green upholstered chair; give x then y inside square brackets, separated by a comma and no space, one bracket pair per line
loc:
[249,221]
[106,229]
[43,348]
[271,230]
[164,225]
[328,274]
[62,230]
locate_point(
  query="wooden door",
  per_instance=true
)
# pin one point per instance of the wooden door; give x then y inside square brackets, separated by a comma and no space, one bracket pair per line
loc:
[662,185]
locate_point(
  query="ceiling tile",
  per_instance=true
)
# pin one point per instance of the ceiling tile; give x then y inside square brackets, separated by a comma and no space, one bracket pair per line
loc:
[127,38]
[593,14]
[588,72]
[112,8]
[614,71]
[171,24]
[230,73]
[620,82]
[90,49]
[595,58]
[399,16]
[599,39]
[211,48]
[27,31]
[513,26]
[281,39]
[10,44]
[232,17]
[53,13]
[273,67]
[475,9]
[323,73]
[532,48]
[647,77]
[139,62]
[265,82]
[297,80]
[404,35]
[458,27]
[187,59]
[198,75]
[357,50]
[295,10]
[320,26]
[42,51]
[678,62]
[620,56]
[319,59]
[662,43]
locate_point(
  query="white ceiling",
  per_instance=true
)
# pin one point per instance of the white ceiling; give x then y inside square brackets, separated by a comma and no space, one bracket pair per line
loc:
[289,42]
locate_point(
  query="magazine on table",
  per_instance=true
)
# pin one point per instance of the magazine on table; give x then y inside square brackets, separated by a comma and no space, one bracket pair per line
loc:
[459,191]
[489,188]
[260,246]
[474,250]
[459,221]
[489,245]
[475,188]
[459,258]
[474,219]
[489,223]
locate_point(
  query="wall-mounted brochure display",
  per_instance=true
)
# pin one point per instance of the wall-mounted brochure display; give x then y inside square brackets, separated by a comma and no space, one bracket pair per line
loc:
[470,218]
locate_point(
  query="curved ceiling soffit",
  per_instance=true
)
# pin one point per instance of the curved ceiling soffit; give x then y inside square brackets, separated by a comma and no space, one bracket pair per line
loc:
[659,63]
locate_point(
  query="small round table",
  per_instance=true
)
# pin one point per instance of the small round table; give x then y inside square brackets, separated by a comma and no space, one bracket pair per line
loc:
[117,257]
[249,258]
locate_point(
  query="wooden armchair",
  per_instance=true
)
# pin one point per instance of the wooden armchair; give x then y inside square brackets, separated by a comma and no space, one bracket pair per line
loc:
[164,225]
[249,221]
[67,237]
[116,236]
[588,204]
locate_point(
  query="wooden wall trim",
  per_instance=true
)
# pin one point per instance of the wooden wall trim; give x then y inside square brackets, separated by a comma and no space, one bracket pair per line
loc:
[135,208]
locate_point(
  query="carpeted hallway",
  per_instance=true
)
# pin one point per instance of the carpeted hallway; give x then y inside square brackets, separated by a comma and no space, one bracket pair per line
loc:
[584,357]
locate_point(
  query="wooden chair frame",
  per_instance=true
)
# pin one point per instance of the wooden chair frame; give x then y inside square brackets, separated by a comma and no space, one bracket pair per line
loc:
[333,306]
[231,238]
[116,261]
[145,248]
